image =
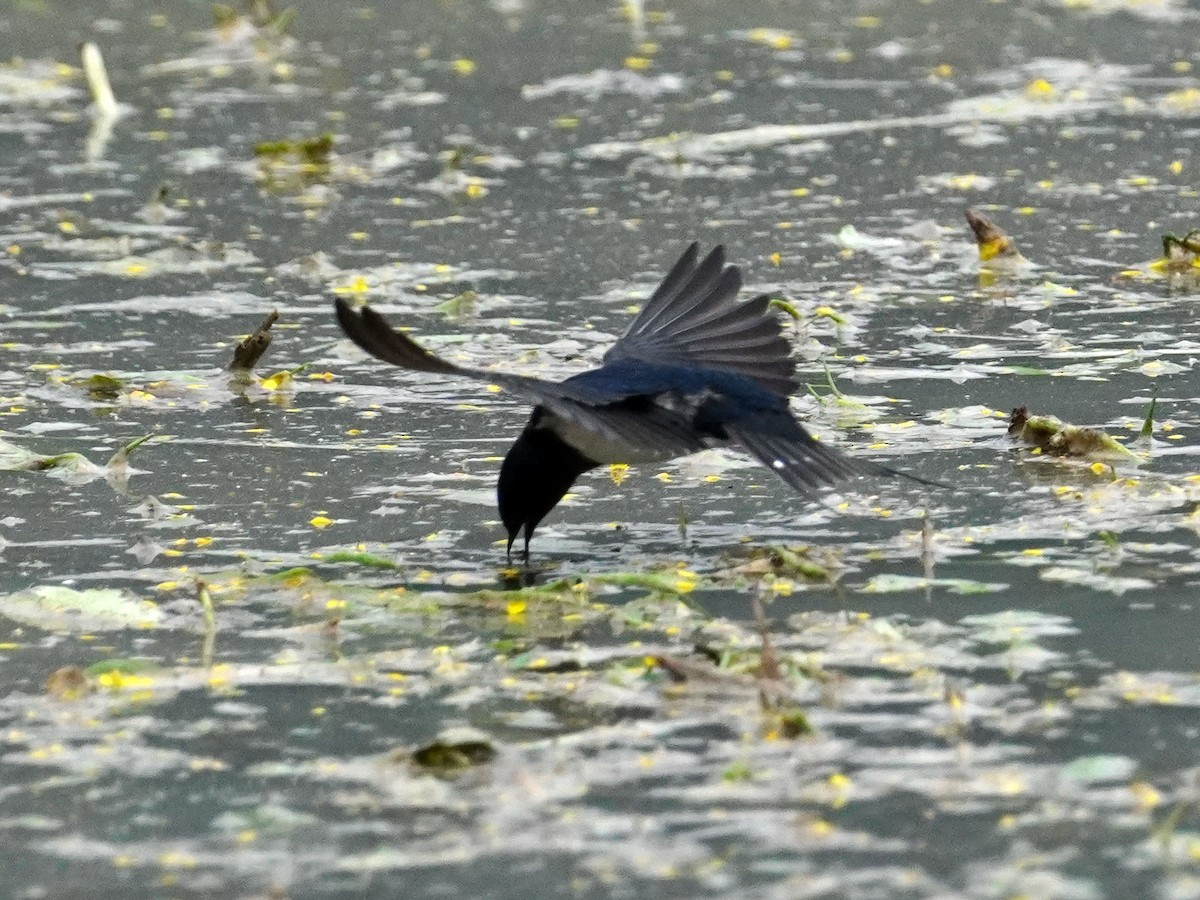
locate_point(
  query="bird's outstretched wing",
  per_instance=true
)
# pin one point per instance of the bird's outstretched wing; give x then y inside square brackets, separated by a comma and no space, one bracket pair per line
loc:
[799,459]
[373,333]
[693,318]
[773,437]
[783,445]
[640,426]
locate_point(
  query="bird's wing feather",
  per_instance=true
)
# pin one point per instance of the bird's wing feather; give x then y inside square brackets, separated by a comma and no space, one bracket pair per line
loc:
[374,334]
[644,427]
[649,433]
[692,318]
[783,445]
[803,462]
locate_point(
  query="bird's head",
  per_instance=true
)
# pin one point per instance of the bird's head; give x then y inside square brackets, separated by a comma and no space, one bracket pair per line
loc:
[537,471]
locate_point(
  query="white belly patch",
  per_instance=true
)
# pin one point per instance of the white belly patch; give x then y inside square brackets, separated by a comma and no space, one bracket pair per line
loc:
[599,446]
[606,449]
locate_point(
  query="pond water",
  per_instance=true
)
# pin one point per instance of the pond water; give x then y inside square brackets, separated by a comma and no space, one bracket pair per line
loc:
[274,649]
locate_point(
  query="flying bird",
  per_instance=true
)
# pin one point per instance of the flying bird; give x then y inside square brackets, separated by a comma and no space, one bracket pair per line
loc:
[695,369]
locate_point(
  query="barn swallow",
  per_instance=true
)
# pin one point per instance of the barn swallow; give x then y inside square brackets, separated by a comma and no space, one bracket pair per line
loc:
[695,369]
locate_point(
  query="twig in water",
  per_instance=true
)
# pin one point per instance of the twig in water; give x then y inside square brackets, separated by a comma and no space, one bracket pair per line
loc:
[250,350]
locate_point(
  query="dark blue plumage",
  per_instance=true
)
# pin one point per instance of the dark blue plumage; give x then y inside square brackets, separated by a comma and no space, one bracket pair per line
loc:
[694,369]
[629,377]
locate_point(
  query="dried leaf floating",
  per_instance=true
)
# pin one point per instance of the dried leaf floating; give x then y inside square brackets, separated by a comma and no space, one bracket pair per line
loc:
[69,683]
[1057,438]
[996,249]
[250,349]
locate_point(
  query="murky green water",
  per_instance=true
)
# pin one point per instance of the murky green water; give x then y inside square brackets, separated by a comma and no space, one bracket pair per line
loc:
[999,704]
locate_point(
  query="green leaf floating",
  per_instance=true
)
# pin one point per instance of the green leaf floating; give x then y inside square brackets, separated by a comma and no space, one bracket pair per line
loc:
[57,608]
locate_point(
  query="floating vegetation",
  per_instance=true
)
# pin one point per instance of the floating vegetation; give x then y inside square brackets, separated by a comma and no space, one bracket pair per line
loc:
[1181,252]
[310,167]
[283,380]
[1148,423]
[889,584]
[1161,10]
[56,608]
[912,247]
[259,13]
[251,348]
[853,239]
[459,306]
[157,211]
[1180,262]
[997,251]
[295,164]
[360,558]
[36,83]
[149,390]
[454,750]
[312,152]
[847,409]
[199,258]
[74,468]
[602,82]
[258,38]
[1047,434]
[788,562]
